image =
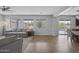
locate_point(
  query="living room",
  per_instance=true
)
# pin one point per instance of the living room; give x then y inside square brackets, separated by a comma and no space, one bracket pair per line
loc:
[38,28]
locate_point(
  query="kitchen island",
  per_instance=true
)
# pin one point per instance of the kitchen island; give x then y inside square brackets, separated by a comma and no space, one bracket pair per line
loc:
[12,44]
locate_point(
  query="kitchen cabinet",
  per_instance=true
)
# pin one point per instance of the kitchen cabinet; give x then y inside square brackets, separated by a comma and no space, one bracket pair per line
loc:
[26,41]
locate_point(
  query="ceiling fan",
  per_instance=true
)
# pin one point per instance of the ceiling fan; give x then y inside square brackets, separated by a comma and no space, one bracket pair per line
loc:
[5,8]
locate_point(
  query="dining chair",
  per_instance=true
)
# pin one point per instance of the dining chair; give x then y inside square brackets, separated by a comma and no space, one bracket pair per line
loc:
[70,35]
[76,38]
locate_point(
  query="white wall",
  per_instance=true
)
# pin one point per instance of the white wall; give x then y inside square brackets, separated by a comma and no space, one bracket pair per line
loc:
[46,28]
[1,24]
[50,24]
[54,26]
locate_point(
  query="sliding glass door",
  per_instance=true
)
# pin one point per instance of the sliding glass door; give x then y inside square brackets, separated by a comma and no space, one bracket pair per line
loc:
[63,26]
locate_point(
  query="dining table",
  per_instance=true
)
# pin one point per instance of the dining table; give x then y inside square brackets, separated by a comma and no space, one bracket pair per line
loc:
[75,32]
[76,35]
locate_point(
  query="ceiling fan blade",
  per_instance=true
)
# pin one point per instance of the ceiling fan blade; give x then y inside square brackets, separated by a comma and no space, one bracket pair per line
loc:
[6,9]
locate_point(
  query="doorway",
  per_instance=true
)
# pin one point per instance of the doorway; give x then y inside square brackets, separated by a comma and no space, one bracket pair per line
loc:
[63,26]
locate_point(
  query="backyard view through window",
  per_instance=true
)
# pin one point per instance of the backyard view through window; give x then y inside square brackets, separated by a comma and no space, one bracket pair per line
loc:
[63,26]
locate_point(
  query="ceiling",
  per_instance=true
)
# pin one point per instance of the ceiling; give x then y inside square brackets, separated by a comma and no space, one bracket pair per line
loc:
[35,10]
[71,11]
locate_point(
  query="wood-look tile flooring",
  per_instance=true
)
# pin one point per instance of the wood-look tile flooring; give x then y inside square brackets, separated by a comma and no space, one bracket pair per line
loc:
[51,44]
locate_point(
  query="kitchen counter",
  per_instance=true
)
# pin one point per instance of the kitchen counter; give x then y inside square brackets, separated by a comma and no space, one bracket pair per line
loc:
[12,44]
[2,37]
[5,40]
[24,34]
[16,33]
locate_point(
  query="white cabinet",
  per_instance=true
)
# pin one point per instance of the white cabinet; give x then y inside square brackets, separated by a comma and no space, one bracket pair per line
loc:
[26,41]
